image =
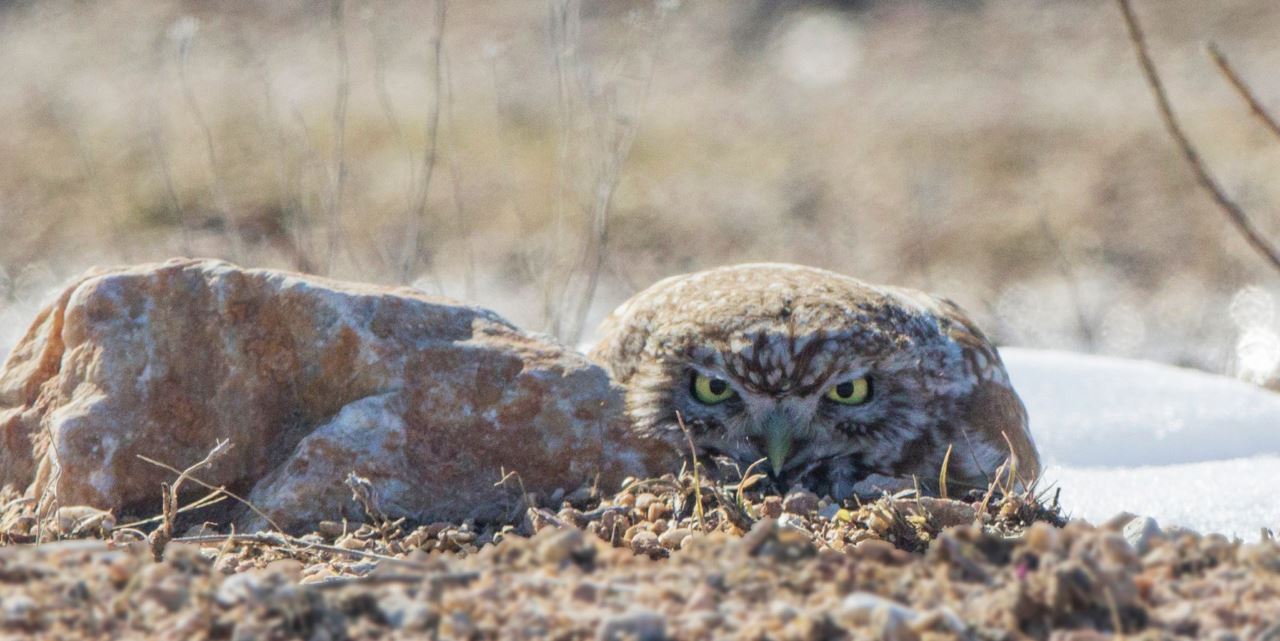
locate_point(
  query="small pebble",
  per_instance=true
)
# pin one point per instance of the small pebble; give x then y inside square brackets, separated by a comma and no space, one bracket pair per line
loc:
[20,610]
[771,508]
[1142,532]
[561,546]
[643,501]
[829,511]
[645,542]
[352,543]
[633,626]
[1117,522]
[586,592]
[892,619]
[658,510]
[673,539]
[1042,538]
[800,501]
[330,529]
[630,534]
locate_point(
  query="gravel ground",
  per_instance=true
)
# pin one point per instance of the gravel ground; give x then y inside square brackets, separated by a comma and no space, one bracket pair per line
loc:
[649,564]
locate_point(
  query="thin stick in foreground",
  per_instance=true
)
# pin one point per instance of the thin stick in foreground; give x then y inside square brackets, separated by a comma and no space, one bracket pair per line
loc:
[1233,211]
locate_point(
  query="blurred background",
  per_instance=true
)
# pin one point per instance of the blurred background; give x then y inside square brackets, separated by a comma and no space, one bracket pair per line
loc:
[549,159]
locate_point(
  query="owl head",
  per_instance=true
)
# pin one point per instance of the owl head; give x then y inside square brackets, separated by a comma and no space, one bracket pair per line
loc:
[828,381]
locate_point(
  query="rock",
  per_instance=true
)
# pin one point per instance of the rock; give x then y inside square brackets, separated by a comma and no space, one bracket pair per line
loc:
[890,619]
[405,613]
[800,501]
[1264,555]
[77,520]
[644,501]
[19,611]
[829,511]
[645,542]
[671,539]
[768,538]
[771,508]
[309,379]
[634,626]
[658,510]
[1141,533]
[560,547]
[1116,523]
[1042,538]
[793,522]
[945,513]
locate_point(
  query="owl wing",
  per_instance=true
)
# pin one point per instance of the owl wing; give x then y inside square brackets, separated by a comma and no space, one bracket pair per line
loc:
[994,414]
[623,335]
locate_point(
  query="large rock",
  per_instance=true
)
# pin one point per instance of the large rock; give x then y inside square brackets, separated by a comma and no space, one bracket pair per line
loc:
[309,379]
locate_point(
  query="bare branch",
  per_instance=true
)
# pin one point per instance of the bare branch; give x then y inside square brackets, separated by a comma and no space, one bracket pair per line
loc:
[1243,89]
[1233,211]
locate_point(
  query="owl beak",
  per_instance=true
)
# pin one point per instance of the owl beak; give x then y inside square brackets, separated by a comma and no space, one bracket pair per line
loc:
[778,442]
[779,445]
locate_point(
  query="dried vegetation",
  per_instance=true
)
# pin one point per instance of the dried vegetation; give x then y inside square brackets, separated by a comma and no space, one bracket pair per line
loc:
[677,556]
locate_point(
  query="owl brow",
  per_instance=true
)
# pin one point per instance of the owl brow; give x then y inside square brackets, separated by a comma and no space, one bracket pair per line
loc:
[764,354]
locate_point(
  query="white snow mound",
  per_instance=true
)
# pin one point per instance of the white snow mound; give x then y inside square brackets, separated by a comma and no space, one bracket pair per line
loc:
[1185,447]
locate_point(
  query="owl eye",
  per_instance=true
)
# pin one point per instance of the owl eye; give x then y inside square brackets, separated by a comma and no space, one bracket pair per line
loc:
[711,390]
[854,392]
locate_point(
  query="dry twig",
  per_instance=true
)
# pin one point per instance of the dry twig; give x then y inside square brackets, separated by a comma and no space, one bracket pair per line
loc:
[169,498]
[1233,211]
[210,486]
[1243,89]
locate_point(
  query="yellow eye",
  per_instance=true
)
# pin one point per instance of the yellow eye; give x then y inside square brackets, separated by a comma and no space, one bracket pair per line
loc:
[854,392]
[711,390]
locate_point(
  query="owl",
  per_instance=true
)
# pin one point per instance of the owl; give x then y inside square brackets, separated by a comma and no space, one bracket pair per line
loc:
[820,379]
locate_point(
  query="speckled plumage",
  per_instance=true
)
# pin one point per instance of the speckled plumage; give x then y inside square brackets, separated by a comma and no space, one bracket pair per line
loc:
[782,336]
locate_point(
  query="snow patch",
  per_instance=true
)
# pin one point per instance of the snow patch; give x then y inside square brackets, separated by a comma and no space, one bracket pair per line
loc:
[1109,412]
[1185,447]
[1235,497]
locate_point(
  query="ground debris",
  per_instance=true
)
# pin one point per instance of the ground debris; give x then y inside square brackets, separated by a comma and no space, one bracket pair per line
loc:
[652,561]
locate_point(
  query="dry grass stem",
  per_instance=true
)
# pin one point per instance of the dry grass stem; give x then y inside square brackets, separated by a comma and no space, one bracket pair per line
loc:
[697,475]
[342,95]
[216,188]
[942,474]
[47,505]
[414,235]
[212,498]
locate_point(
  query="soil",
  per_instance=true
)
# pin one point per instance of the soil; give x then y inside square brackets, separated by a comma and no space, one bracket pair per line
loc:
[656,561]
